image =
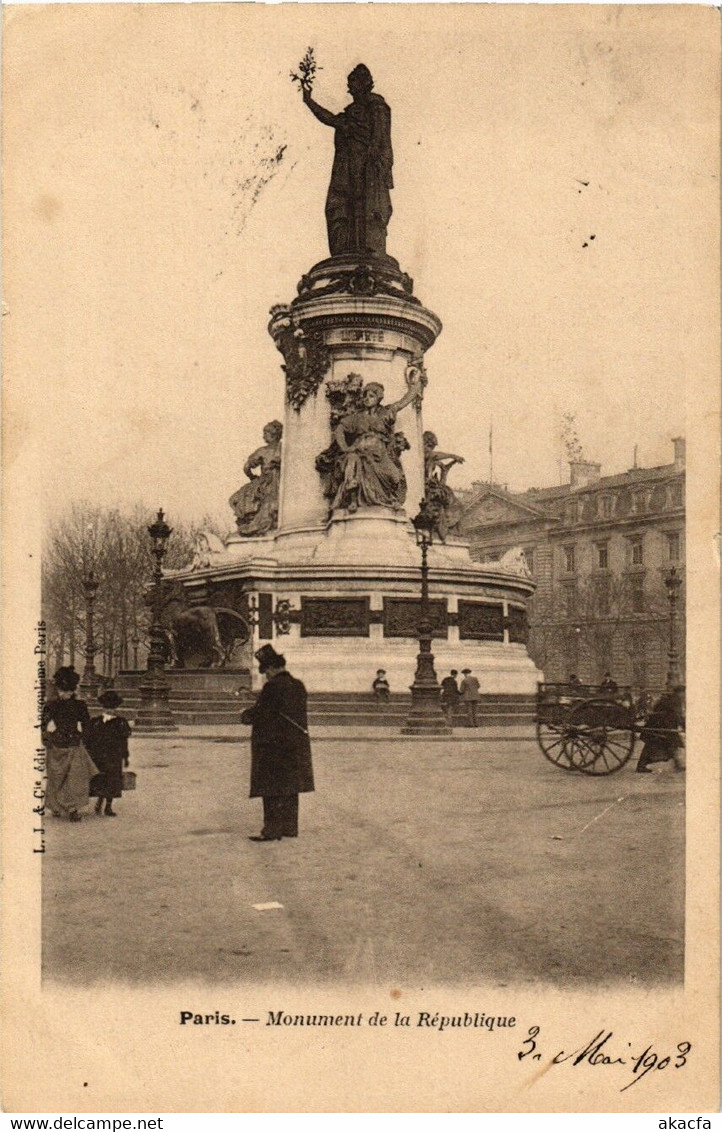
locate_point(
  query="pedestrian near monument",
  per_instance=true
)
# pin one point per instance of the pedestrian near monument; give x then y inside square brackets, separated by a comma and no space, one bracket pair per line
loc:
[281,766]
[381,687]
[107,740]
[608,685]
[450,694]
[661,732]
[64,725]
[470,696]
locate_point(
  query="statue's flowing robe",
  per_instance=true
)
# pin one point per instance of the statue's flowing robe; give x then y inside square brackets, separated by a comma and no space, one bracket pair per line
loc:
[371,471]
[358,205]
[256,503]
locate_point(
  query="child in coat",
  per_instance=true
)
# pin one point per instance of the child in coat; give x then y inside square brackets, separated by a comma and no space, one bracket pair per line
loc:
[107,741]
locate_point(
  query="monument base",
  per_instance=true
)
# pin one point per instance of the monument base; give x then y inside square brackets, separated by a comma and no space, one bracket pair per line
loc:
[340,602]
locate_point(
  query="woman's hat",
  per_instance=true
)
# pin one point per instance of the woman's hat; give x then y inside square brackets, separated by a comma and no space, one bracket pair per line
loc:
[110,699]
[66,679]
[267,657]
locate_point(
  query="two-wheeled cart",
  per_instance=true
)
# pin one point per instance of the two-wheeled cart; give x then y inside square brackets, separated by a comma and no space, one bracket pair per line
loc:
[581,727]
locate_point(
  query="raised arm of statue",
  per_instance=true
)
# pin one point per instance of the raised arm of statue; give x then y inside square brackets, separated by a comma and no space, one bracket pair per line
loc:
[444,461]
[449,456]
[415,392]
[319,112]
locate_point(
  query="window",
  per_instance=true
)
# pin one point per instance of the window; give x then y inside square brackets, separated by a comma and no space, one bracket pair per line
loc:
[602,594]
[529,559]
[640,501]
[637,593]
[573,512]
[605,506]
[638,658]
[569,599]
[636,552]
[676,494]
[673,546]
[602,549]
[570,559]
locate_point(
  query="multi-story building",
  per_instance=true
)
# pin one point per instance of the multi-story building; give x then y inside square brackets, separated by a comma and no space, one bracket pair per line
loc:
[599,548]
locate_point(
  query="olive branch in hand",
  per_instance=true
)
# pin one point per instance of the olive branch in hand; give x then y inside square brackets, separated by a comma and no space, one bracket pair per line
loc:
[307,71]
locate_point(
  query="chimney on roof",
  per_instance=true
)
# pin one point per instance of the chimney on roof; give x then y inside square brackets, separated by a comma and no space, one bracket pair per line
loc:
[680,448]
[582,473]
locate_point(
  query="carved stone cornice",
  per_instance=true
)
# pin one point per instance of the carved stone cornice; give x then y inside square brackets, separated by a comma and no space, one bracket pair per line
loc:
[352,275]
[425,333]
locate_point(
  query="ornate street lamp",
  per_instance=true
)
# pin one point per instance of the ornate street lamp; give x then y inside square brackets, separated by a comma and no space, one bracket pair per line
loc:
[154,714]
[89,682]
[426,716]
[673,582]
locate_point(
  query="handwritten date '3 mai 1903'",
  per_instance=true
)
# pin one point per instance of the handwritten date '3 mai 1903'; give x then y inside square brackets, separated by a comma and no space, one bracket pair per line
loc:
[604,1049]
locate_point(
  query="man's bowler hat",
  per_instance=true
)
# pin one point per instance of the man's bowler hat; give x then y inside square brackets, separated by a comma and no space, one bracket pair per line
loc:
[267,657]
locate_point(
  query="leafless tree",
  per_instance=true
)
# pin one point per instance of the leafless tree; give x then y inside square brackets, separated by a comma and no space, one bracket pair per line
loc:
[114,544]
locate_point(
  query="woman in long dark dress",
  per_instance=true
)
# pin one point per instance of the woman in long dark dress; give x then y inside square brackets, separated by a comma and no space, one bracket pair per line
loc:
[108,736]
[661,732]
[64,729]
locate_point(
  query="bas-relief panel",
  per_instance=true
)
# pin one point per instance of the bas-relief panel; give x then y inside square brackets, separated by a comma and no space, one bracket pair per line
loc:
[402,616]
[480,621]
[334,617]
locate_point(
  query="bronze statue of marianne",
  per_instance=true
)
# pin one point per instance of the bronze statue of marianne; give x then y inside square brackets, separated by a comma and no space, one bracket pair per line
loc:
[358,205]
[442,500]
[256,503]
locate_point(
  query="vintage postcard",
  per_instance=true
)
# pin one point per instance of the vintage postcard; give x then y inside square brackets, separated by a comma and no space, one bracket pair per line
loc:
[360,558]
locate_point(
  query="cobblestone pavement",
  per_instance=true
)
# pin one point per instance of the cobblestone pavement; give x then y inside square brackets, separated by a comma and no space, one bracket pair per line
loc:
[419,862]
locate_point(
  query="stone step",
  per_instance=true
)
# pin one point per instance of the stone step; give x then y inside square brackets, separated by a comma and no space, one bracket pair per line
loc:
[183,701]
[191,680]
[220,684]
[319,706]
[209,696]
[339,718]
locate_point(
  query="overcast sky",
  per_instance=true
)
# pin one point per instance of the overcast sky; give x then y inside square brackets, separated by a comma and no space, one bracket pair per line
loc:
[169,188]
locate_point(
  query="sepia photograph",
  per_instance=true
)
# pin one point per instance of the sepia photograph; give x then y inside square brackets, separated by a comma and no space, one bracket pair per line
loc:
[361,476]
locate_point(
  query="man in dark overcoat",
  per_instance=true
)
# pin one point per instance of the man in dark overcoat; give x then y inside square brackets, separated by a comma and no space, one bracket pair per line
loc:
[281,767]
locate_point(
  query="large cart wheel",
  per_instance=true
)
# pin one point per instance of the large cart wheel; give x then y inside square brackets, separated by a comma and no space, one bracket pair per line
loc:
[554,740]
[604,731]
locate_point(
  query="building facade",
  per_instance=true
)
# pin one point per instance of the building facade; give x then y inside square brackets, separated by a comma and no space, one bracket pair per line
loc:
[599,549]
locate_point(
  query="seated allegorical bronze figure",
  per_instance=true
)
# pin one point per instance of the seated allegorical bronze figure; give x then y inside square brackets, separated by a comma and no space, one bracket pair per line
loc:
[362,467]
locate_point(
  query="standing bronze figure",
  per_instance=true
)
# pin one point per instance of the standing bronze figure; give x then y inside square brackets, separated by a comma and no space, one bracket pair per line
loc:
[358,205]
[256,503]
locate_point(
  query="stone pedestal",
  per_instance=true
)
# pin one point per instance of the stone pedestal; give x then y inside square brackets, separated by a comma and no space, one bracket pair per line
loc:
[350,316]
[154,716]
[337,593]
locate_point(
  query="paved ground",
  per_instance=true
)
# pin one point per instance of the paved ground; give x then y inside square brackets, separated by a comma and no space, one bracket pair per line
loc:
[471,861]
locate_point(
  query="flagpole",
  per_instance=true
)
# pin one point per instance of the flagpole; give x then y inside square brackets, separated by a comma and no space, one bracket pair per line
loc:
[491,451]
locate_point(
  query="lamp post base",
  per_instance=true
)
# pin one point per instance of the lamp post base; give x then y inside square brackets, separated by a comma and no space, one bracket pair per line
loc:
[426,716]
[88,687]
[154,715]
